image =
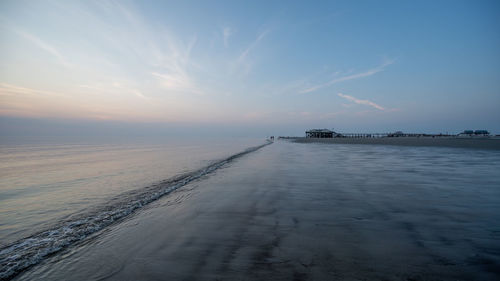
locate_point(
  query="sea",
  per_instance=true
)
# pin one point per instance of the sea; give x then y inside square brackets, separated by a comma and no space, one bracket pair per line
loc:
[54,193]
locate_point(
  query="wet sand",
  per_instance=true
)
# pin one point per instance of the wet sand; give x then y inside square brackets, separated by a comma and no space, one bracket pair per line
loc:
[287,212]
[477,143]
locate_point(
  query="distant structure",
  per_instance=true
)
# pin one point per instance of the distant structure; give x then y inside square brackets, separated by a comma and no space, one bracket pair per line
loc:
[325,133]
[471,133]
[481,133]
[320,133]
[397,134]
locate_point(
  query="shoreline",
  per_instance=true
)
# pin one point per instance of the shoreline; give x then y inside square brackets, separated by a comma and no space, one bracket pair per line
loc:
[474,143]
[306,212]
[33,249]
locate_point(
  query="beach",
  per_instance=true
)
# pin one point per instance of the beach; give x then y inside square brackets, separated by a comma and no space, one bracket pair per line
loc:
[293,211]
[466,142]
[249,140]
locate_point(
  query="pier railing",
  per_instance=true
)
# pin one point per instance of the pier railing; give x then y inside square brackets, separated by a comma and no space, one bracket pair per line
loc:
[384,135]
[357,135]
[381,135]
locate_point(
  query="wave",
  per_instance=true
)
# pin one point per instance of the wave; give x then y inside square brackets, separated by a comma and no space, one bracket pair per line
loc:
[31,250]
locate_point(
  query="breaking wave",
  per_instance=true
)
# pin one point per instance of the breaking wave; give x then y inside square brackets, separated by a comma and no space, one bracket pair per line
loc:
[31,250]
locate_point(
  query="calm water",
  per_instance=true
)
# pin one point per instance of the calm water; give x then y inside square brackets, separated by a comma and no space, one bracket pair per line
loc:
[314,211]
[450,192]
[42,183]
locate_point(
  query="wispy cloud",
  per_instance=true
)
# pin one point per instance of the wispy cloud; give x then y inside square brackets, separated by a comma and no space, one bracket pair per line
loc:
[243,62]
[349,77]
[28,102]
[359,101]
[114,88]
[177,82]
[245,53]
[44,46]
[226,32]
[292,86]
[139,94]
[168,58]
[13,90]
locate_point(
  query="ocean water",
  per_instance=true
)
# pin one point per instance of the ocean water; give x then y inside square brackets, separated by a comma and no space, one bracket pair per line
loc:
[419,195]
[44,183]
[309,211]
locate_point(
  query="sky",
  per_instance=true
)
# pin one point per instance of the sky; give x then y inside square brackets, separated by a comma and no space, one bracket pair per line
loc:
[265,67]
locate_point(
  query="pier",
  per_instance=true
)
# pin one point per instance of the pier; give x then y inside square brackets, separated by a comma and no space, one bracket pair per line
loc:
[325,133]
[358,135]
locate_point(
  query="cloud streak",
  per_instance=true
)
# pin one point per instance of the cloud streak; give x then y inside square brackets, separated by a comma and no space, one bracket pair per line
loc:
[44,46]
[177,82]
[243,62]
[349,77]
[359,101]
[226,32]
[245,53]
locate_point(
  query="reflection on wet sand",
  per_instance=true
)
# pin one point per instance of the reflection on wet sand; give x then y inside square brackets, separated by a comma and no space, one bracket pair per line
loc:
[310,212]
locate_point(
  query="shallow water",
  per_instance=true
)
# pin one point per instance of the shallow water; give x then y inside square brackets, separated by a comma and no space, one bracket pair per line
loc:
[310,212]
[42,183]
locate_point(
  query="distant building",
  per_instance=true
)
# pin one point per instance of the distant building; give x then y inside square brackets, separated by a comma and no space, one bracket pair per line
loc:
[471,133]
[481,133]
[468,132]
[396,134]
[320,133]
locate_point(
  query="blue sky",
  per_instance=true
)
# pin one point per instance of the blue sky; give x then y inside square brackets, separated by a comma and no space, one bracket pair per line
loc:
[274,66]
